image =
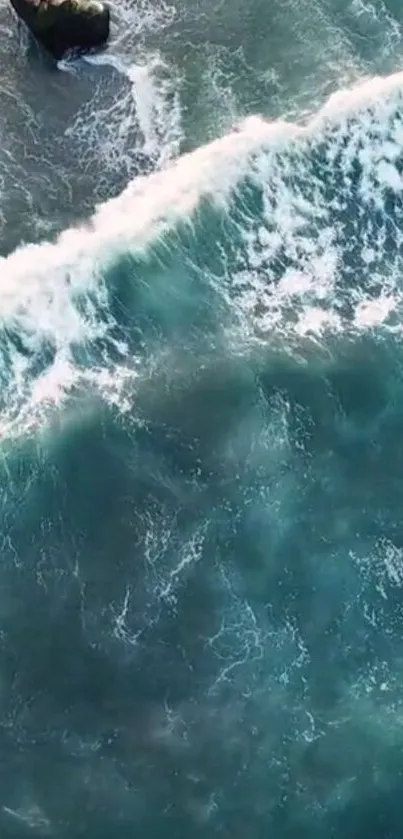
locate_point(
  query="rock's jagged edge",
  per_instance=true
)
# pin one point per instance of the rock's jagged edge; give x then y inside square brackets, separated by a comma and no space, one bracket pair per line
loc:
[70,25]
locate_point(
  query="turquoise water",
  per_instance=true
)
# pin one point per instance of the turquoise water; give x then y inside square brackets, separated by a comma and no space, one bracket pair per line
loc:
[201,369]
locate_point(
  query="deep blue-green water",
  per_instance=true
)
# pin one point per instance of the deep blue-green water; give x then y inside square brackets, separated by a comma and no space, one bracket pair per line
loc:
[201,417]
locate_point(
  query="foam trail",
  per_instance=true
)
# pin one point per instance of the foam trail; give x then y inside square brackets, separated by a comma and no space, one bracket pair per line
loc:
[152,104]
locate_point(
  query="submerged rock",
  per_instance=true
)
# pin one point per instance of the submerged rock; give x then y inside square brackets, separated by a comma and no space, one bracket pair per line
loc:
[65,25]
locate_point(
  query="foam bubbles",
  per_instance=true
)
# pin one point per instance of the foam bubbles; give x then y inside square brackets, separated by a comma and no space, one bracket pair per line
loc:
[330,211]
[140,124]
[312,206]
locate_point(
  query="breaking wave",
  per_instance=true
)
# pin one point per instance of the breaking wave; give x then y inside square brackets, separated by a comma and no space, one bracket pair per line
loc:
[201,550]
[274,232]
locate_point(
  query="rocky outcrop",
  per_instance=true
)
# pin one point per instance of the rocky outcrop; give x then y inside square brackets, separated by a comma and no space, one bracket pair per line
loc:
[62,26]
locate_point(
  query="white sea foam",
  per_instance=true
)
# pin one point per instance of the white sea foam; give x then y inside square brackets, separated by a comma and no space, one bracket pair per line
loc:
[43,286]
[148,113]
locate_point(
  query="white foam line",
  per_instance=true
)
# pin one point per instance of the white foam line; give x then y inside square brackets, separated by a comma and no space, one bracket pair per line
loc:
[373,92]
[143,210]
[152,203]
[39,284]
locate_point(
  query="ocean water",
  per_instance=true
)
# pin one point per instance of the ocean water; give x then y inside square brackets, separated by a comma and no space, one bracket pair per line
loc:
[201,414]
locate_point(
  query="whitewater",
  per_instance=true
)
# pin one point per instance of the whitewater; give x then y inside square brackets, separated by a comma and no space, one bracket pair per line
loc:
[268,181]
[201,369]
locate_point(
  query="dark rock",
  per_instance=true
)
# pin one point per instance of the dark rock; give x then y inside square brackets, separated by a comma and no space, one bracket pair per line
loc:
[70,25]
